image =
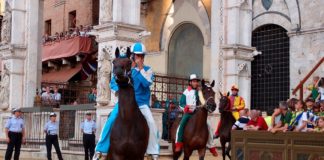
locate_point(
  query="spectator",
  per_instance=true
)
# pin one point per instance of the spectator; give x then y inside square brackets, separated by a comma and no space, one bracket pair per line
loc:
[310,113]
[321,105]
[319,127]
[76,32]
[291,104]
[47,96]
[274,119]
[57,36]
[285,118]
[321,90]
[299,118]
[242,121]
[38,99]
[56,95]
[92,96]
[155,102]
[256,122]
[313,87]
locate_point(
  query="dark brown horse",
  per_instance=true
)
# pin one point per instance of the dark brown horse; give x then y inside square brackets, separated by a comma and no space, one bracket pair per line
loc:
[196,131]
[227,121]
[130,132]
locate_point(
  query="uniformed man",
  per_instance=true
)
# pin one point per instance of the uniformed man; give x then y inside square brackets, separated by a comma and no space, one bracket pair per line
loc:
[51,130]
[15,134]
[88,128]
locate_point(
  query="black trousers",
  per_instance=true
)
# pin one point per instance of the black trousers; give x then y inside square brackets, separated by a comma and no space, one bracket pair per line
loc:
[15,142]
[89,144]
[53,140]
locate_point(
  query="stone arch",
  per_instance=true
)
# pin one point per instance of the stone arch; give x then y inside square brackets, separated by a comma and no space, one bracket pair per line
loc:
[272,19]
[289,22]
[176,17]
[185,51]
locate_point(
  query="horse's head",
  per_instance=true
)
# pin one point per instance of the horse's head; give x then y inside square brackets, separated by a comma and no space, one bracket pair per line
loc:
[208,96]
[122,65]
[224,102]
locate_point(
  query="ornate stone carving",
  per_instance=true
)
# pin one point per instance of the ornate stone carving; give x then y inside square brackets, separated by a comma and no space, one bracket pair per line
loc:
[4,86]
[6,25]
[104,70]
[106,10]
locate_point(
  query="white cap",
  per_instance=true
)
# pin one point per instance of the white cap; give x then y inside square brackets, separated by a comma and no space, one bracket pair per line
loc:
[52,114]
[193,77]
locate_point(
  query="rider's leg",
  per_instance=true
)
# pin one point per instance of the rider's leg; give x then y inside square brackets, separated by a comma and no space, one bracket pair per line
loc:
[210,143]
[217,130]
[180,130]
[104,139]
[153,147]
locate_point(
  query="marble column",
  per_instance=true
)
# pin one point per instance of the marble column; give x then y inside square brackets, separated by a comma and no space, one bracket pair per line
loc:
[216,39]
[238,52]
[20,51]
[118,27]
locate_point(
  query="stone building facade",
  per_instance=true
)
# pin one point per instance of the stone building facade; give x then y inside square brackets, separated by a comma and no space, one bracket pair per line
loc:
[266,47]
[63,14]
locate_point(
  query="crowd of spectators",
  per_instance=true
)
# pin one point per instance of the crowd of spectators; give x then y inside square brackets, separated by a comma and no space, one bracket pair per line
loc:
[78,31]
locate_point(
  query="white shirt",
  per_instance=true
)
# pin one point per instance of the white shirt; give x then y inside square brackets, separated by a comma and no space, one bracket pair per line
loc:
[46,96]
[88,127]
[56,96]
[321,92]
[301,120]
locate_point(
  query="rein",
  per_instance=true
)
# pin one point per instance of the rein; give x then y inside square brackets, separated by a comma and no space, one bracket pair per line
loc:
[203,101]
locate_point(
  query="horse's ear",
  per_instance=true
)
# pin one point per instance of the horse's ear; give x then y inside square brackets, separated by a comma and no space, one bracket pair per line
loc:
[203,83]
[228,94]
[117,53]
[221,94]
[128,52]
[213,83]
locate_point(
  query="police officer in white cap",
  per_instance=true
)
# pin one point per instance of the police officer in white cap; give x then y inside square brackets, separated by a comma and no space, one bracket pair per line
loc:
[88,128]
[15,134]
[51,129]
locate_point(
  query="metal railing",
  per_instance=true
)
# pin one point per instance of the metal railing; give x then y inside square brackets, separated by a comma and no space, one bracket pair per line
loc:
[168,88]
[70,118]
[300,86]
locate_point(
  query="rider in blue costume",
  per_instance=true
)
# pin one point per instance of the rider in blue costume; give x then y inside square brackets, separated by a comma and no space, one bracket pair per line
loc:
[142,78]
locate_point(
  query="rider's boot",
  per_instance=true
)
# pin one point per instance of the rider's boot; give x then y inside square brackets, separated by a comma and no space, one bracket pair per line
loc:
[155,157]
[178,146]
[97,156]
[213,151]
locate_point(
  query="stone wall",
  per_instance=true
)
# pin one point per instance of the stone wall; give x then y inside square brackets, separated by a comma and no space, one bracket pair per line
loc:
[58,13]
[304,25]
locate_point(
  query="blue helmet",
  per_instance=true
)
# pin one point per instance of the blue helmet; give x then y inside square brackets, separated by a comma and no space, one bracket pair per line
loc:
[138,48]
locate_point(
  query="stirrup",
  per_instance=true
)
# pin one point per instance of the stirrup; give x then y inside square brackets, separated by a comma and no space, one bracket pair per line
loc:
[97,156]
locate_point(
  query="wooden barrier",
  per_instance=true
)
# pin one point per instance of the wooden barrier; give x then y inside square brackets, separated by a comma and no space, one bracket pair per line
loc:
[261,145]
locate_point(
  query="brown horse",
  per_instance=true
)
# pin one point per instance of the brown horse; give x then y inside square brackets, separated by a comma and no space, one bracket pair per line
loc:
[196,131]
[227,121]
[130,132]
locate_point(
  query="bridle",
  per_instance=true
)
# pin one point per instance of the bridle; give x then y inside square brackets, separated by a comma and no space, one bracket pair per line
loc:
[127,74]
[205,102]
[228,105]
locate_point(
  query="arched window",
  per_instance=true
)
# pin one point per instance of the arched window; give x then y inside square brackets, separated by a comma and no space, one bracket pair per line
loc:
[270,70]
[186,51]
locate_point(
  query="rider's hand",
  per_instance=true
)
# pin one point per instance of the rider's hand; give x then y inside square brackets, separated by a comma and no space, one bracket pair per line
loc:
[8,140]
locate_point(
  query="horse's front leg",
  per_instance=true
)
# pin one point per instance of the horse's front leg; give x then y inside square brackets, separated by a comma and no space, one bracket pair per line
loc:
[223,144]
[228,150]
[201,153]
[187,153]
